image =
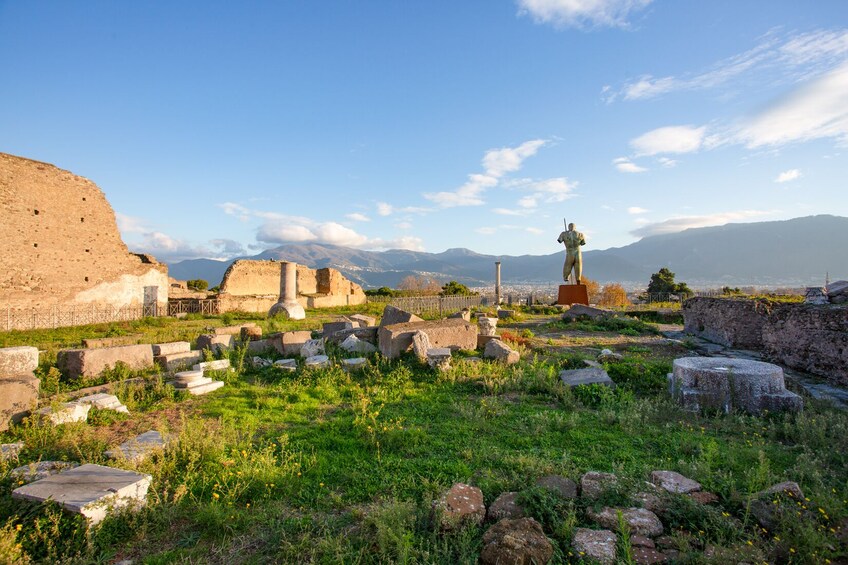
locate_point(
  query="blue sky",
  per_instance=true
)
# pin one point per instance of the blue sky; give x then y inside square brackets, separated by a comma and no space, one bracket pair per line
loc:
[223,128]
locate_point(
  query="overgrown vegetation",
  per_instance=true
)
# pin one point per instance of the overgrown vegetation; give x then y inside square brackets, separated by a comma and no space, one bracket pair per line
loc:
[324,466]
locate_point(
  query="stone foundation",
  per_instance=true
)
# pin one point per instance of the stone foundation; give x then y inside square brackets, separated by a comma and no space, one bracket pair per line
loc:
[811,338]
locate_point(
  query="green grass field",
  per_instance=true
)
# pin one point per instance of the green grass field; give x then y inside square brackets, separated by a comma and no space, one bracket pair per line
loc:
[322,466]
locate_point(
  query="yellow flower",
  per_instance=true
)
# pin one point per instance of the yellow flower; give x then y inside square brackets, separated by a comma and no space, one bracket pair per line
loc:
[216,496]
[776,538]
[18,527]
[320,484]
[298,473]
[791,550]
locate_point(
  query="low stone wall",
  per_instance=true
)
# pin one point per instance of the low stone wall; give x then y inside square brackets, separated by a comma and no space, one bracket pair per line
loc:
[811,338]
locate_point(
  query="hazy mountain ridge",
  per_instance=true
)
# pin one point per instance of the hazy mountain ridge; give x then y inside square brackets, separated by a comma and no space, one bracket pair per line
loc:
[790,252]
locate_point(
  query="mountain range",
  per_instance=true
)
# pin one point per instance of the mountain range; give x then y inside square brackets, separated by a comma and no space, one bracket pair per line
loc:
[794,252]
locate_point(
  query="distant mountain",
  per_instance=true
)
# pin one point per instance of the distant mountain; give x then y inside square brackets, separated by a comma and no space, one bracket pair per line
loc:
[793,252]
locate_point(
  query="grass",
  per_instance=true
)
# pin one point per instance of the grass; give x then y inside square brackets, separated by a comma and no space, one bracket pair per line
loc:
[322,466]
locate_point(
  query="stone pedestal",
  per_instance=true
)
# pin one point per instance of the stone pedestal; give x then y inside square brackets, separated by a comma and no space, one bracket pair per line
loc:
[573,294]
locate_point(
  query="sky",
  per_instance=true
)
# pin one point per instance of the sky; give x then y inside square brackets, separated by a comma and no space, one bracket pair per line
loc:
[219,129]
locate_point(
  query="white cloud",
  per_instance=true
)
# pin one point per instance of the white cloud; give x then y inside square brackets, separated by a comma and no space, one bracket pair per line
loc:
[170,249]
[357,217]
[404,225]
[130,224]
[625,165]
[681,223]
[790,57]
[579,13]
[788,176]
[555,189]
[666,162]
[273,232]
[384,209]
[486,231]
[669,139]
[511,212]
[528,202]
[816,110]
[228,247]
[496,163]
[636,210]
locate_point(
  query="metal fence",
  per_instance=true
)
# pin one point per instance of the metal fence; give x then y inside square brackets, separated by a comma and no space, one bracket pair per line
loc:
[429,304]
[56,316]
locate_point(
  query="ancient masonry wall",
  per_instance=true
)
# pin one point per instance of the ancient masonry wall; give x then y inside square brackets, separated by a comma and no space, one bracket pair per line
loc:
[61,245]
[254,286]
[811,338]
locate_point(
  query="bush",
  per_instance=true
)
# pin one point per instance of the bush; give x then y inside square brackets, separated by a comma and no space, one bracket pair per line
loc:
[197,284]
[640,376]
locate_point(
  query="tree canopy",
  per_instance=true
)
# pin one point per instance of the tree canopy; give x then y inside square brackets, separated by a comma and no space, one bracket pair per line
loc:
[663,282]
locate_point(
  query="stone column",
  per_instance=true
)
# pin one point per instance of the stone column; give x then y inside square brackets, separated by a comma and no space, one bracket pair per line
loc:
[497,282]
[288,303]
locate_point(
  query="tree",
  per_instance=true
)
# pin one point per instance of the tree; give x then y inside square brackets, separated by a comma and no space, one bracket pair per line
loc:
[662,282]
[197,284]
[453,288]
[422,284]
[382,291]
[613,295]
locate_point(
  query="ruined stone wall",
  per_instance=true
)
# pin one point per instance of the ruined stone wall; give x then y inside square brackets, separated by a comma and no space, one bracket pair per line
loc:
[249,285]
[811,338]
[61,245]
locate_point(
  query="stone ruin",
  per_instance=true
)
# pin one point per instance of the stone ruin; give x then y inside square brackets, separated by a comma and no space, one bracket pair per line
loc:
[258,286]
[62,245]
[709,383]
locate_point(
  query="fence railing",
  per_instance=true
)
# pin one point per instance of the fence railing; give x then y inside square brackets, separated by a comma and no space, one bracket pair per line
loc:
[444,305]
[192,306]
[56,316]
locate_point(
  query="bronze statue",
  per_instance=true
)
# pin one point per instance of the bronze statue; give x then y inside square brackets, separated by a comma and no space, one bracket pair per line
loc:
[572,239]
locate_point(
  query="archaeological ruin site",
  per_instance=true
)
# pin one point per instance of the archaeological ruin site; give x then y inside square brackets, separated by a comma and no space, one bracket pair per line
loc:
[287,417]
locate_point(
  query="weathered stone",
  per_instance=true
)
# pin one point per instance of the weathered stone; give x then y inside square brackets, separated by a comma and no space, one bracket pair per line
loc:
[392,316]
[516,542]
[19,397]
[815,295]
[216,365]
[265,345]
[66,413]
[170,348]
[354,364]
[40,470]
[563,486]
[453,333]
[461,504]
[138,448]
[837,288]
[260,362]
[205,388]
[581,310]
[641,541]
[194,382]
[317,361]
[483,340]
[651,501]
[608,356]
[216,343]
[332,327]
[487,326]
[766,512]
[9,451]
[367,334]
[353,344]
[593,484]
[595,544]
[420,345]
[188,377]
[506,314]
[18,360]
[439,358]
[171,362]
[103,401]
[90,490]
[588,376]
[700,383]
[94,343]
[506,506]
[499,351]
[233,330]
[648,556]
[462,314]
[674,482]
[250,333]
[292,342]
[312,348]
[75,363]
[286,363]
[641,521]
[362,320]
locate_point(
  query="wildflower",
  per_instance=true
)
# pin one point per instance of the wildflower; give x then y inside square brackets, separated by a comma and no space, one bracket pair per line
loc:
[749,542]
[791,550]
[18,527]
[776,538]
[216,496]
[248,505]
[298,473]
[320,484]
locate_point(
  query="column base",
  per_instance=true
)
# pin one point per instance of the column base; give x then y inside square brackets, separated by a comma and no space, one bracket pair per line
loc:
[292,310]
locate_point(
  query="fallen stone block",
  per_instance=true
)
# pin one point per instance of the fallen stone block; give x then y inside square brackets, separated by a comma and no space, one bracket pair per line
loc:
[233,330]
[90,490]
[317,361]
[595,544]
[103,401]
[462,314]
[170,348]
[94,343]
[506,314]
[362,320]
[290,364]
[420,345]
[66,413]
[488,326]
[312,348]
[18,360]
[75,363]
[250,333]
[330,328]
[36,471]
[354,363]
[19,397]
[260,362]
[292,342]
[175,361]
[608,356]
[205,388]
[581,310]
[499,351]
[674,482]
[216,365]
[353,344]
[265,345]
[392,316]
[461,504]
[483,340]
[453,333]
[138,448]
[216,343]
[439,358]
[367,334]
[642,522]
[588,376]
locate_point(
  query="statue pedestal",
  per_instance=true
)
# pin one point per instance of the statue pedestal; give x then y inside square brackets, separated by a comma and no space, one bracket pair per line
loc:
[573,294]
